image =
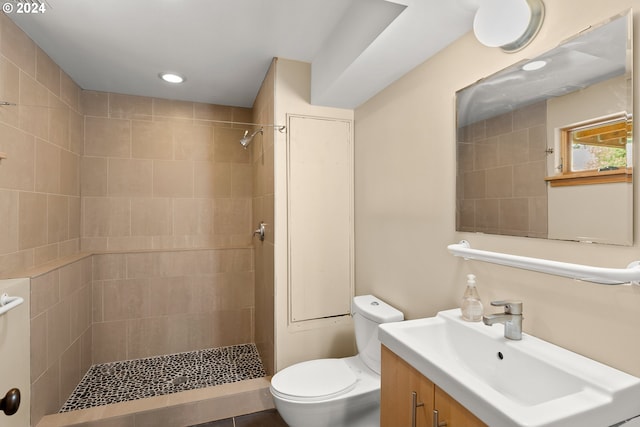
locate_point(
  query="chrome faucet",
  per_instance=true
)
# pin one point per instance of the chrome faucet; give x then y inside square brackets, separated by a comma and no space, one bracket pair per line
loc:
[512,318]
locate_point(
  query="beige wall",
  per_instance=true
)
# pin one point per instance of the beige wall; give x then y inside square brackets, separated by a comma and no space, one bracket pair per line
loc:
[405,206]
[161,174]
[263,200]
[299,341]
[42,137]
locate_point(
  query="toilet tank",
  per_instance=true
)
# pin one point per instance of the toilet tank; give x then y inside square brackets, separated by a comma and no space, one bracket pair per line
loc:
[369,312]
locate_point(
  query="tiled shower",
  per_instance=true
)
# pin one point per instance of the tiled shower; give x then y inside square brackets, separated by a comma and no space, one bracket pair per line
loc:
[132,215]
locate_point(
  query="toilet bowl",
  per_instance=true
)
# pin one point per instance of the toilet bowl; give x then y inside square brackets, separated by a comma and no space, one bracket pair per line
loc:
[338,392]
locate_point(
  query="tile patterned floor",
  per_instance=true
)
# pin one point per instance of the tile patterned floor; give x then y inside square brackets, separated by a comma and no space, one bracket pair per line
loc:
[259,419]
[156,376]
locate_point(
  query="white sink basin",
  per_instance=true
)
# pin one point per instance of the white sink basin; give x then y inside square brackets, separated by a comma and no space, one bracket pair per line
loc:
[513,383]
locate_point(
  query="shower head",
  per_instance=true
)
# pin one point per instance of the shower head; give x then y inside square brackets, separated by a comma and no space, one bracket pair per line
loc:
[246,140]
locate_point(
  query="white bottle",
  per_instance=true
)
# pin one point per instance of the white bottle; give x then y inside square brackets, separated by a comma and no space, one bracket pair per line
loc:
[472,309]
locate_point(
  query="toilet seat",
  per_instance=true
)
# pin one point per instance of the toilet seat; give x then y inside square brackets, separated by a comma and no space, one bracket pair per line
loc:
[314,380]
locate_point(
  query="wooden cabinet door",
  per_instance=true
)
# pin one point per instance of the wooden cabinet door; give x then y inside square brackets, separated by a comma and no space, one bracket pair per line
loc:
[453,413]
[398,381]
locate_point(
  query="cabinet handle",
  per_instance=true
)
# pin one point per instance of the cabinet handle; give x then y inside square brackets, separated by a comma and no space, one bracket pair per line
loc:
[436,421]
[414,407]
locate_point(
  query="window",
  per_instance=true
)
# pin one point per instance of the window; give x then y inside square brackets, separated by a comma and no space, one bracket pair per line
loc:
[596,152]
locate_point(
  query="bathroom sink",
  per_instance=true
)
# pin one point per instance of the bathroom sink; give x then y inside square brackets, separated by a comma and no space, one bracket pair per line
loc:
[513,383]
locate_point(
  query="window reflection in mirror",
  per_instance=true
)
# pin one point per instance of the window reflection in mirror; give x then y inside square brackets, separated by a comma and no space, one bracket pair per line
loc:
[545,151]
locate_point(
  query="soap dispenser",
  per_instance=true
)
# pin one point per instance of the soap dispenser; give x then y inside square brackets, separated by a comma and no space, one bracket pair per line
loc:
[472,309]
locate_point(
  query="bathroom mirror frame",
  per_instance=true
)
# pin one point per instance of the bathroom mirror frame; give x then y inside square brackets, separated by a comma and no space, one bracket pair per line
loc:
[505,188]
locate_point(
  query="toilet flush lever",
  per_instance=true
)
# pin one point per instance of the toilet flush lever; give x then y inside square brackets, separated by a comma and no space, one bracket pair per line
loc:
[260,231]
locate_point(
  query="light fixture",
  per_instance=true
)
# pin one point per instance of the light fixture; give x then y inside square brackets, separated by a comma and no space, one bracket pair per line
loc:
[171,78]
[508,24]
[534,65]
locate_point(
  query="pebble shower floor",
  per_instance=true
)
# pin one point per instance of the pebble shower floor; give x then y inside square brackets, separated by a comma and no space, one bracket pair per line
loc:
[115,382]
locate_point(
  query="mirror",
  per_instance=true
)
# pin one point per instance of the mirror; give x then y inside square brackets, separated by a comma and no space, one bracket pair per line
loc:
[544,146]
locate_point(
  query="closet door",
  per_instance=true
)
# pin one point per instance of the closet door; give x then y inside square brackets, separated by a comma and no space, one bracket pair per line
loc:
[320,217]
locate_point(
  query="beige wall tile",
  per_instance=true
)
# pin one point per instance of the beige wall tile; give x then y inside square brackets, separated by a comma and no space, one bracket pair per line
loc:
[95,104]
[45,394]
[47,72]
[45,292]
[38,353]
[58,122]
[69,91]
[32,220]
[74,218]
[106,217]
[130,106]
[17,46]
[151,140]
[34,121]
[232,216]
[69,173]
[222,180]
[57,219]
[151,217]
[204,179]
[70,373]
[130,177]
[81,314]
[109,341]
[173,295]
[192,216]
[109,266]
[167,108]
[10,81]
[107,137]
[93,171]
[45,254]
[58,331]
[32,92]
[173,178]
[213,112]
[227,147]
[18,170]
[193,142]
[47,166]
[241,180]
[125,299]
[76,133]
[9,223]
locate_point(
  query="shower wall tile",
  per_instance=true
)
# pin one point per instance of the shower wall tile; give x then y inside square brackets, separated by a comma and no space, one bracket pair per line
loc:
[61,306]
[171,301]
[107,137]
[151,140]
[262,209]
[173,179]
[47,72]
[40,137]
[165,157]
[130,177]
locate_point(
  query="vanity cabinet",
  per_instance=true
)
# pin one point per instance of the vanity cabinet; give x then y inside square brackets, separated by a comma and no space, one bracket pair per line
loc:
[409,399]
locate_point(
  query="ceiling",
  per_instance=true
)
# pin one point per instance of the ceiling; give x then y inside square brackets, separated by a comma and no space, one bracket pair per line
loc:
[224,47]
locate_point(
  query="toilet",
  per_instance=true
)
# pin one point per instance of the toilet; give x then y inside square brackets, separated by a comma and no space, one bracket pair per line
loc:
[338,392]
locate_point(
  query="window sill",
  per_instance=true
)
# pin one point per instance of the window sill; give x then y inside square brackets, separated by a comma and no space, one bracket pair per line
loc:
[591,177]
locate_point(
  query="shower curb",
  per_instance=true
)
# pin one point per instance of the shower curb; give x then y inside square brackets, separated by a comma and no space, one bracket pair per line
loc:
[173,410]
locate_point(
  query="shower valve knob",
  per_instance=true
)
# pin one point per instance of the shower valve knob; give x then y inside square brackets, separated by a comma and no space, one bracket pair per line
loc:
[260,231]
[10,403]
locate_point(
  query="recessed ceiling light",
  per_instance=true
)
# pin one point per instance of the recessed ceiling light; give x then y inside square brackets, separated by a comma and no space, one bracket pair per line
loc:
[534,65]
[171,77]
